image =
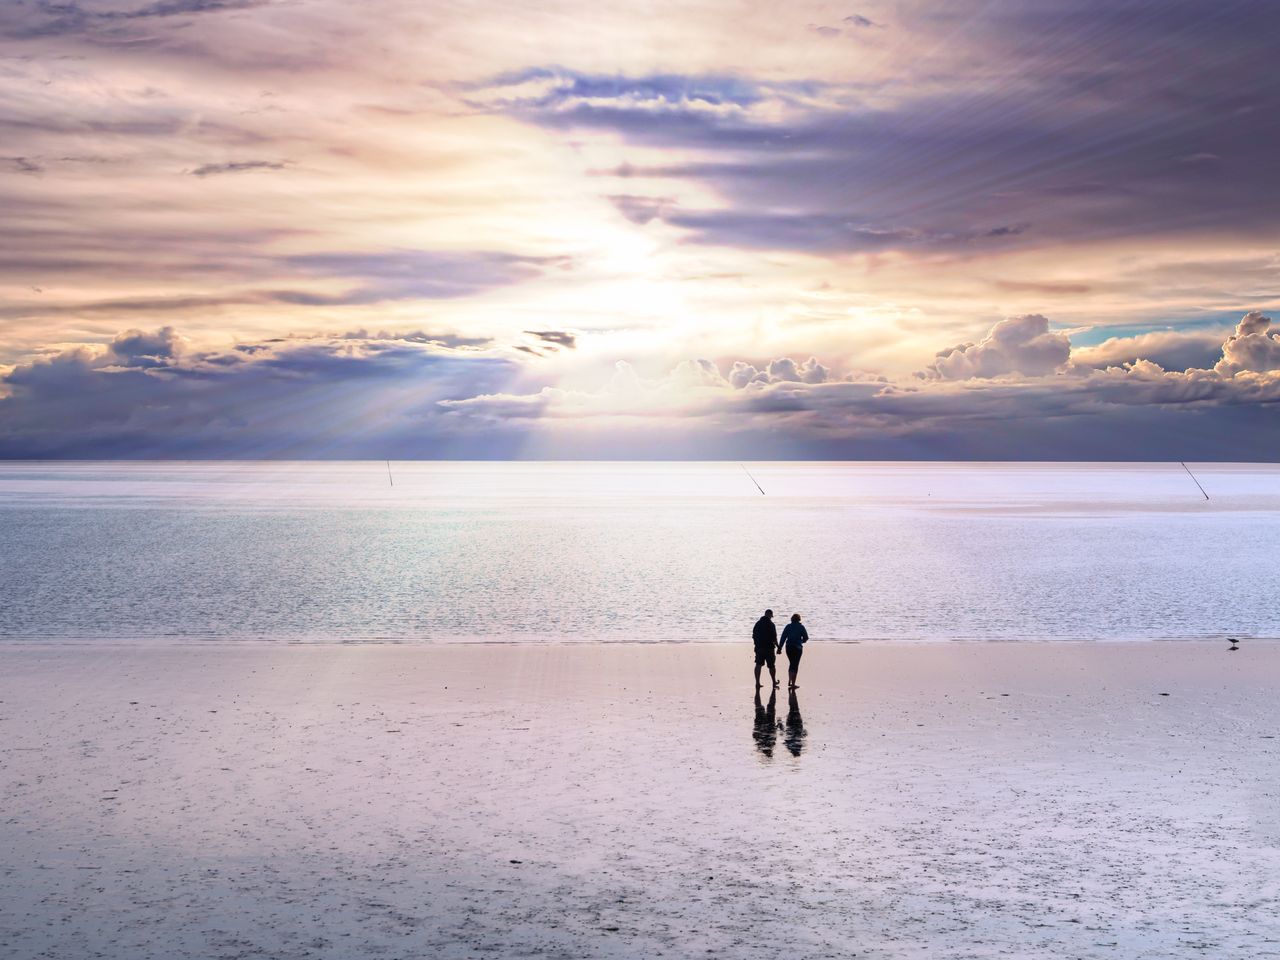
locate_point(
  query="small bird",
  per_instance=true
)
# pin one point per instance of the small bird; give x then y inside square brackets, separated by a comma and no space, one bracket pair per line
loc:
[1234,644]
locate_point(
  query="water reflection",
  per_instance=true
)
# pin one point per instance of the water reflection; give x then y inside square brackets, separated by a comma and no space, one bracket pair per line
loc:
[368,560]
[794,738]
[765,729]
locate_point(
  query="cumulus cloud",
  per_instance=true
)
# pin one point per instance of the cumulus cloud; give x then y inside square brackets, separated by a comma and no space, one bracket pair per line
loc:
[134,348]
[693,388]
[1170,349]
[742,374]
[700,373]
[1016,393]
[1251,348]
[1019,395]
[783,369]
[1018,345]
[786,369]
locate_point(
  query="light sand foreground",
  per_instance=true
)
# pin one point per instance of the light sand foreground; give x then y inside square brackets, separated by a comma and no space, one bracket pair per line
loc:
[933,800]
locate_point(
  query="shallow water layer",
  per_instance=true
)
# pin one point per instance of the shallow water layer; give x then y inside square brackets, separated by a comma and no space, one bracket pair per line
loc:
[910,802]
[636,551]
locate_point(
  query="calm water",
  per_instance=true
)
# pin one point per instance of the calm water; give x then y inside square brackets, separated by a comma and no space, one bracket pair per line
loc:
[624,551]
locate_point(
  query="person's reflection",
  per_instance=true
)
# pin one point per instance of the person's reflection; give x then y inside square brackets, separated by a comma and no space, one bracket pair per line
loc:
[765,730]
[794,738]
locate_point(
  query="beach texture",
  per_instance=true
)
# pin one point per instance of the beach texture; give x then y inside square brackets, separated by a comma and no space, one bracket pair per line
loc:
[917,800]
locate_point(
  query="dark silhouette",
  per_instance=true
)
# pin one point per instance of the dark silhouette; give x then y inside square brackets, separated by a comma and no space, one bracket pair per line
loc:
[765,730]
[794,739]
[765,637]
[794,636]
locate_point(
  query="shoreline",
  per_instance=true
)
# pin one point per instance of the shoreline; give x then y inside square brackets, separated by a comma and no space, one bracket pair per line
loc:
[560,642]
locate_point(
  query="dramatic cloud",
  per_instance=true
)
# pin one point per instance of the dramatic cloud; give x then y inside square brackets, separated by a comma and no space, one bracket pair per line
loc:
[134,348]
[1014,394]
[1209,411]
[147,394]
[1058,139]
[1251,348]
[782,370]
[502,220]
[1170,349]
[1020,345]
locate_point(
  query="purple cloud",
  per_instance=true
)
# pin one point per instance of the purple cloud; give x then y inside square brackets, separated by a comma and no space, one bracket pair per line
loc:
[1067,131]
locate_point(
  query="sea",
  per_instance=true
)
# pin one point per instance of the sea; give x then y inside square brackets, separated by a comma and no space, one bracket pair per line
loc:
[636,552]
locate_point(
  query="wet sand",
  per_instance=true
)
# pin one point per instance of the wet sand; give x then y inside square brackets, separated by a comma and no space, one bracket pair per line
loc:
[917,800]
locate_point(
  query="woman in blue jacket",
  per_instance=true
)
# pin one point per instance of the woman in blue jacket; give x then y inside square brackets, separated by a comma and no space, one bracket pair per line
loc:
[793,637]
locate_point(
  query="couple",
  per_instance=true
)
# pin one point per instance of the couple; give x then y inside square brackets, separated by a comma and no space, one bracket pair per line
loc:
[765,637]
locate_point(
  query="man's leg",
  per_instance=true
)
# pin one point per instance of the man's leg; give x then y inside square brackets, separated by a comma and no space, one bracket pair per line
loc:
[758,665]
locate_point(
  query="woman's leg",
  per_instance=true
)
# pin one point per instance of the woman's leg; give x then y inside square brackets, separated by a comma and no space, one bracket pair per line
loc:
[793,662]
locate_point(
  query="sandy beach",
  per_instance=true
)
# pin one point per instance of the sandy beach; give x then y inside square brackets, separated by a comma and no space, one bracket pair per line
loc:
[917,800]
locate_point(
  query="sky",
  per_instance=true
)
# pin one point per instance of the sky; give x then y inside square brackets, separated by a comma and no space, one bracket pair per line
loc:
[972,229]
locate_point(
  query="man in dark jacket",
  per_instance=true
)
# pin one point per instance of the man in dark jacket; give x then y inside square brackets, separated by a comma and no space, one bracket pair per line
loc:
[765,636]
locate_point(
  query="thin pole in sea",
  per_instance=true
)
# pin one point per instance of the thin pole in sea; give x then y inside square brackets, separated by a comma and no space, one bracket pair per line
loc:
[1193,477]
